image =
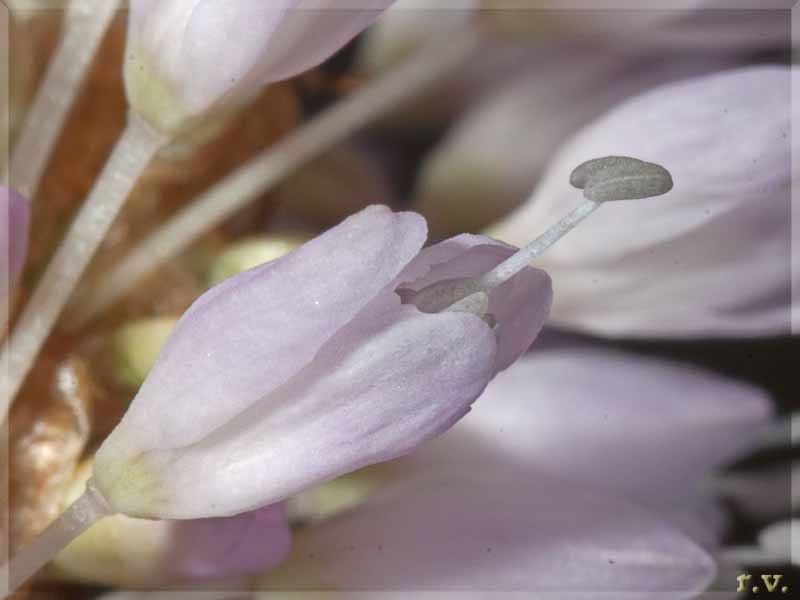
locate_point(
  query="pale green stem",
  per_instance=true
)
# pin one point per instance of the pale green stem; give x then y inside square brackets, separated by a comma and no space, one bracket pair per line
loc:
[245,185]
[89,508]
[137,145]
[84,26]
[521,259]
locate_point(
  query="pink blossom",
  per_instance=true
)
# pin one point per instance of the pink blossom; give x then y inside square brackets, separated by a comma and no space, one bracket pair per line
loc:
[711,258]
[309,367]
[577,473]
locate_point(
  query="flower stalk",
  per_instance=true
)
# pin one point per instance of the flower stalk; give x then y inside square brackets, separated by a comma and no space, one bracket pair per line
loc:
[84,27]
[427,66]
[89,508]
[133,151]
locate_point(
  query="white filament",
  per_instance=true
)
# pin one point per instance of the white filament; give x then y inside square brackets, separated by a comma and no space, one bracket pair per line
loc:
[471,295]
[521,259]
[84,26]
[133,152]
[89,508]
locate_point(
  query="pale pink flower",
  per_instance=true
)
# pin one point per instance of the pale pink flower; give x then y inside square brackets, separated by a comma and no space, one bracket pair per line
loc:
[711,258]
[492,157]
[309,367]
[575,475]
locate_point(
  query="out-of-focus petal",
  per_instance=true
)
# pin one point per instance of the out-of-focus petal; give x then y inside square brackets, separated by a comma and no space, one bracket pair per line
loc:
[782,540]
[645,428]
[724,26]
[520,305]
[405,29]
[711,258]
[258,329]
[186,56]
[763,494]
[409,24]
[489,162]
[121,550]
[733,26]
[484,534]
[315,29]
[14,223]
[229,546]
[358,171]
[248,253]
[390,380]
[703,519]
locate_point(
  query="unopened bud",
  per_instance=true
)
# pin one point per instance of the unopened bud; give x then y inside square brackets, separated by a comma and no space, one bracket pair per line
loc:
[252,252]
[136,347]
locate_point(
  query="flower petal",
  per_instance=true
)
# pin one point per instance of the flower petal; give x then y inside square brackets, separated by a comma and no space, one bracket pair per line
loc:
[763,494]
[711,258]
[781,540]
[229,546]
[695,25]
[520,305]
[121,550]
[186,56]
[489,162]
[252,333]
[391,379]
[644,428]
[409,24]
[14,223]
[313,30]
[484,534]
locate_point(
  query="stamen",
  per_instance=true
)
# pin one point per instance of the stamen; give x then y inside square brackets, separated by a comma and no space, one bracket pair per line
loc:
[84,26]
[451,294]
[620,178]
[515,263]
[602,179]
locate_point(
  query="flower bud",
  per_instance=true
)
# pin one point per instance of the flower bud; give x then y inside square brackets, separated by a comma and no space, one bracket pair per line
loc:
[185,57]
[309,367]
[248,253]
[136,347]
